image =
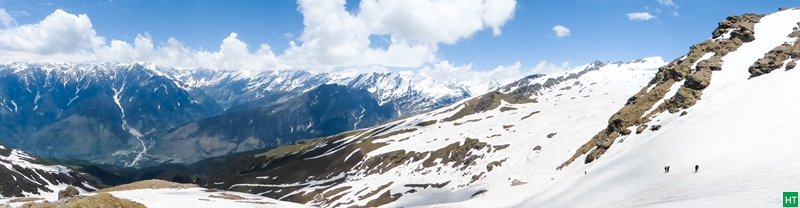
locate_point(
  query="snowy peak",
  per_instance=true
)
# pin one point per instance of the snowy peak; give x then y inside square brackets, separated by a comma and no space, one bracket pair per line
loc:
[539,84]
[411,93]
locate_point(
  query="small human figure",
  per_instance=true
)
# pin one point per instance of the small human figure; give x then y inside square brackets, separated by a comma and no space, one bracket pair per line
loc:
[696,167]
[667,168]
[584,172]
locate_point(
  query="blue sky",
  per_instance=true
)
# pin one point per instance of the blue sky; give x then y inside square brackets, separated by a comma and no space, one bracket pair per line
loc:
[598,30]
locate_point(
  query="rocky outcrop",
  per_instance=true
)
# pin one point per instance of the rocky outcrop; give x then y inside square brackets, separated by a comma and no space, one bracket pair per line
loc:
[776,58]
[69,192]
[639,108]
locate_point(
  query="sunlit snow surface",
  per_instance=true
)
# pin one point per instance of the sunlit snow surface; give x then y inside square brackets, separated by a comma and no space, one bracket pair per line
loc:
[197,197]
[180,198]
[743,135]
[575,113]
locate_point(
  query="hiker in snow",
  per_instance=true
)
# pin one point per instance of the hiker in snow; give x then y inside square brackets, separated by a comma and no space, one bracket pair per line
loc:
[665,169]
[696,167]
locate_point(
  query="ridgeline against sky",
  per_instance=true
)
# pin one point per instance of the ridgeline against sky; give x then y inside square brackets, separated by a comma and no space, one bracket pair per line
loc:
[449,40]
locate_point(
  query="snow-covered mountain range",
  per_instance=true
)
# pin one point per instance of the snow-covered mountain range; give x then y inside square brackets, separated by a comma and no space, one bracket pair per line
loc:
[110,112]
[602,135]
[410,92]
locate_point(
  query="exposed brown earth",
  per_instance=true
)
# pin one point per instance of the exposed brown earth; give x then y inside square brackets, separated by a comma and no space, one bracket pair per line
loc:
[148,184]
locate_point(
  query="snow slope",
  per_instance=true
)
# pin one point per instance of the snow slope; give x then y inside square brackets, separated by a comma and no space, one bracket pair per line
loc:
[197,197]
[446,154]
[23,175]
[740,134]
[497,150]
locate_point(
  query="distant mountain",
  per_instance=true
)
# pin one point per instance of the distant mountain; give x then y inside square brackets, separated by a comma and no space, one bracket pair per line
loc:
[410,93]
[92,111]
[325,110]
[114,112]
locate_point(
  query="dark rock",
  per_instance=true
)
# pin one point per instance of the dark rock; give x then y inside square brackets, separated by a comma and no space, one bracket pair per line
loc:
[699,80]
[655,127]
[709,64]
[624,131]
[641,128]
[69,192]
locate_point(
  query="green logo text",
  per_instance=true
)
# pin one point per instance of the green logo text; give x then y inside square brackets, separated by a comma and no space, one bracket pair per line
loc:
[789,199]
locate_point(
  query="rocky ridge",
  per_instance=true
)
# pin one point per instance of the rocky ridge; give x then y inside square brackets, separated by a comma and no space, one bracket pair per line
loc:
[690,74]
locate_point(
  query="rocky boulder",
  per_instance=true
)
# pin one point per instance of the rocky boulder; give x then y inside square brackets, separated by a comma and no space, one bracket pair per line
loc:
[699,80]
[69,192]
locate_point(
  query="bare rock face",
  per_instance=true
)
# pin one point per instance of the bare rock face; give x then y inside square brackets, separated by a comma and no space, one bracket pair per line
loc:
[744,25]
[709,64]
[698,80]
[776,58]
[69,192]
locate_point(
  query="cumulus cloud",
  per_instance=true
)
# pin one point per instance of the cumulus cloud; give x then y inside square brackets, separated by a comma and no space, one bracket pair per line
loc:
[640,16]
[6,19]
[333,39]
[58,33]
[561,31]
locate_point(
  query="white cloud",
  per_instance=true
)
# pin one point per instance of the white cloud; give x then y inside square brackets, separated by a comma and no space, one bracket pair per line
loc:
[675,13]
[6,19]
[333,39]
[666,2]
[561,31]
[59,32]
[640,16]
